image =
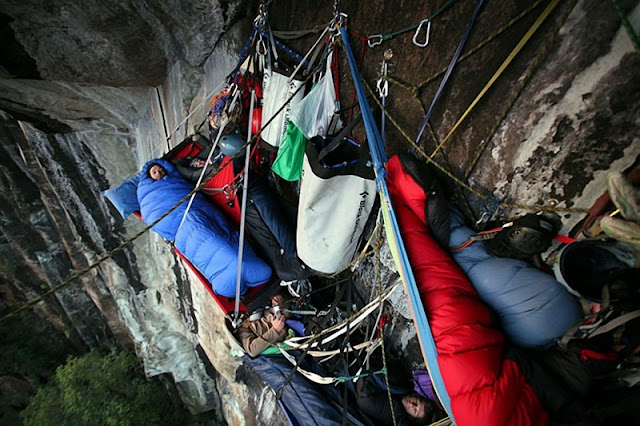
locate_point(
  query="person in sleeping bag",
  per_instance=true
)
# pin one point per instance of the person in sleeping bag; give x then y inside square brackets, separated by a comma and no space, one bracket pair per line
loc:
[534,309]
[488,381]
[205,237]
[258,334]
[406,408]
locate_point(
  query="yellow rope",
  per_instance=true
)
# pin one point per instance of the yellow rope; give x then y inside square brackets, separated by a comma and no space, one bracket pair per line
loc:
[519,87]
[455,178]
[415,89]
[500,70]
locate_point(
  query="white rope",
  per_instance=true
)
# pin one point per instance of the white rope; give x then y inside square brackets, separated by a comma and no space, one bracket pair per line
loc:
[223,124]
[243,210]
[310,341]
[204,100]
[155,152]
[324,380]
[301,64]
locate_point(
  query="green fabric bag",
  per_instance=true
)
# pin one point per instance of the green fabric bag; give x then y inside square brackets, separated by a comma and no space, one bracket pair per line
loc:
[288,162]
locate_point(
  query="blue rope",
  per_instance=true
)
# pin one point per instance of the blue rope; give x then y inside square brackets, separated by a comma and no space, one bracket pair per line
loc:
[379,158]
[378,154]
[452,64]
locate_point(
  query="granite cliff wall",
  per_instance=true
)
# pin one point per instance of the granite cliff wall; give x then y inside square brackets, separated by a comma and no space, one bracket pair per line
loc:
[91,93]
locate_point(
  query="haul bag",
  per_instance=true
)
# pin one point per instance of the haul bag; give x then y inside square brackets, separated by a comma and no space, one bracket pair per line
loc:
[335,202]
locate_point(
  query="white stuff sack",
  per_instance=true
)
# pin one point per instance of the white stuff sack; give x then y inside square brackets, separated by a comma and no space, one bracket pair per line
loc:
[332,213]
[276,91]
[315,113]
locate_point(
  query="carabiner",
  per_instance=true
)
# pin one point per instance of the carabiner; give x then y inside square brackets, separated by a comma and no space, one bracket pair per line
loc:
[374,40]
[383,87]
[417,33]
[261,47]
[483,219]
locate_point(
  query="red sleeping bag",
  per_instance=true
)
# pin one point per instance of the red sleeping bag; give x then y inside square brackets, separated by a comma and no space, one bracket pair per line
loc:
[485,388]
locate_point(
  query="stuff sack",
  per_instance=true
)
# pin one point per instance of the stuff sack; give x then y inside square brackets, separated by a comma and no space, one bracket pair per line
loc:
[336,200]
[276,91]
[315,115]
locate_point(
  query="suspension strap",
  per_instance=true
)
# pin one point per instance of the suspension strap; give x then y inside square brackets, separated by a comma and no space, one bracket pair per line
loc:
[452,64]
[243,210]
[457,180]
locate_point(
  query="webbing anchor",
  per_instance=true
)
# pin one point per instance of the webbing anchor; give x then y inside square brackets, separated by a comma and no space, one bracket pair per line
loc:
[417,33]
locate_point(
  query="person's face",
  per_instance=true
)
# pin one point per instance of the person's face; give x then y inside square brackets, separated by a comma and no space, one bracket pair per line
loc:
[157,172]
[414,406]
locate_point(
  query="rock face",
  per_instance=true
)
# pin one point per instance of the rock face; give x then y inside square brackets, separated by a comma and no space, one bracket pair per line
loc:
[92,90]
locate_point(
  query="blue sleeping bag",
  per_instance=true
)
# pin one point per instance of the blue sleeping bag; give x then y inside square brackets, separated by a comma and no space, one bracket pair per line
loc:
[534,309]
[305,402]
[205,237]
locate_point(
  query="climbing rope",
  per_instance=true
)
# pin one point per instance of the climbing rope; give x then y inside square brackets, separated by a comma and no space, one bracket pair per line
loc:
[415,89]
[459,191]
[499,72]
[309,341]
[518,88]
[452,63]
[95,264]
[460,182]
[110,254]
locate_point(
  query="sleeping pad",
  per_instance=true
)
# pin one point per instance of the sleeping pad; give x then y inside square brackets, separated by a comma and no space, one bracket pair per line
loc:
[205,238]
[487,386]
[534,309]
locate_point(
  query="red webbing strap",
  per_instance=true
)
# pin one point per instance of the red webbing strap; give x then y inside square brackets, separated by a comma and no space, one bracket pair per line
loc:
[480,236]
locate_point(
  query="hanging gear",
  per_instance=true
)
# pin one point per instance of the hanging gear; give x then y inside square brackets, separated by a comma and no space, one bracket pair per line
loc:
[527,236]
